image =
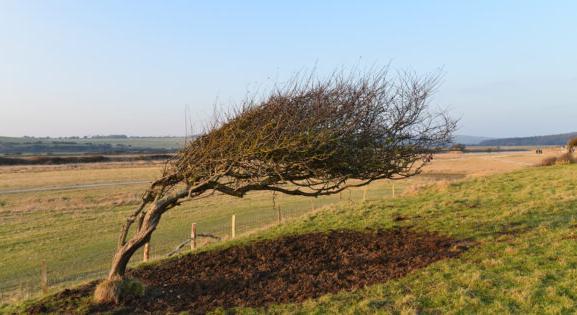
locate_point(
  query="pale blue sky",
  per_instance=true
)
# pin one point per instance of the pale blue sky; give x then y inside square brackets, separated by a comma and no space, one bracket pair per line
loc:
[131,67]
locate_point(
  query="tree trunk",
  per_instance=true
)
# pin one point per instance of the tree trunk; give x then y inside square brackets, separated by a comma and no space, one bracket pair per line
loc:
[123,255]
[149,223]
[110,290]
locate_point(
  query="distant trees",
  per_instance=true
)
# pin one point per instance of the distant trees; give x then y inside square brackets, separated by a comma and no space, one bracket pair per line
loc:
[558,139]
[311,138]
[457,147]
[109,137]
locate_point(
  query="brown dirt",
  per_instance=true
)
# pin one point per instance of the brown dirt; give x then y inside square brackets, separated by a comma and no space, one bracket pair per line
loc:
[286,270]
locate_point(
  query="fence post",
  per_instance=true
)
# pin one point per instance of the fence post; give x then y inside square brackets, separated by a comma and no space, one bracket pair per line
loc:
[233,227]
[43,276]
[146,252]
[393,190]
[365,194]
[193,236]
[279,214]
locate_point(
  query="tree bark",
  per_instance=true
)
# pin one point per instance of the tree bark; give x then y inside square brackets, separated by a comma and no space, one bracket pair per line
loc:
[149,223]
[123,255]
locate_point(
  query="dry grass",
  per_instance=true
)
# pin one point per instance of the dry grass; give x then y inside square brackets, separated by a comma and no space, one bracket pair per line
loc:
[563,159]
[28,177]
[445,168]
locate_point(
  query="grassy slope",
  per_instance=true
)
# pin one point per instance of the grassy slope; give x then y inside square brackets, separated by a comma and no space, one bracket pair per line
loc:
[526,260]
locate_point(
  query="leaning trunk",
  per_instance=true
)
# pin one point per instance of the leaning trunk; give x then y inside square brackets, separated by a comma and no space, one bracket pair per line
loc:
[108,291]
[123,255]
[115,288]
[112,290]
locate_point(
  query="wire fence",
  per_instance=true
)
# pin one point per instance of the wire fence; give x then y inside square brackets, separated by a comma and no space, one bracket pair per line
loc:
[46,260]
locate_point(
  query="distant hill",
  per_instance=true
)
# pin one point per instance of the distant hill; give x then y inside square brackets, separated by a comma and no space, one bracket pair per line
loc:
[559,139]
[469,140]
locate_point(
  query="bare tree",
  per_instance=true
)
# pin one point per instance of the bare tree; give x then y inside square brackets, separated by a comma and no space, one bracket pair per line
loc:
[310,138]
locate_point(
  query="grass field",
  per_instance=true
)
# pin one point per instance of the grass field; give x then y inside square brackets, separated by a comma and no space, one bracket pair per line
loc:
[524,260]
[23,146]
[75,231]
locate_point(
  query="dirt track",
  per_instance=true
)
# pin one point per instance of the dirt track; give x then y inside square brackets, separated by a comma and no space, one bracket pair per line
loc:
[287,270]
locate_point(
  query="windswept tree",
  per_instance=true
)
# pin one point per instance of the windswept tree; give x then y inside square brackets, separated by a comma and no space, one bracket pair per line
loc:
[310,138]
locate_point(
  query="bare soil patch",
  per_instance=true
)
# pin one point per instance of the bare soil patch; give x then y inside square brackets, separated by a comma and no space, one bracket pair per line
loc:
[286,270]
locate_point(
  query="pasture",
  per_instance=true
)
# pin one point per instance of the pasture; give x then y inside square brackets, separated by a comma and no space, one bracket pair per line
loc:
[72,225]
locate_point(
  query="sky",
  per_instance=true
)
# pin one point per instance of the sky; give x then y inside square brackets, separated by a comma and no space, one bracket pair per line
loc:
[76,68]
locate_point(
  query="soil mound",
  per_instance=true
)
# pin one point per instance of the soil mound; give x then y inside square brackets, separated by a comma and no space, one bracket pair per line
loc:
[285,270]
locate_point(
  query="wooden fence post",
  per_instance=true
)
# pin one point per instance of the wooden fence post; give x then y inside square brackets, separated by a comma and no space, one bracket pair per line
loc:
[146,252]
[193,236]
[43,276]
[393,190]
[279,214]
[365,194]
[233,227]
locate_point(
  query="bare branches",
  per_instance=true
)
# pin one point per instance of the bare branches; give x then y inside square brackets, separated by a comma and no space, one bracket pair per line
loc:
[314,134]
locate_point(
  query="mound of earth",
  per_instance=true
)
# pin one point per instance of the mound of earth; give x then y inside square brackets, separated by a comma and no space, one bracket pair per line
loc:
[286,270]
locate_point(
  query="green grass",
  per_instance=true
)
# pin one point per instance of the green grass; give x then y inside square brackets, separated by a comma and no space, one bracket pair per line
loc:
[75,232]
[525,260]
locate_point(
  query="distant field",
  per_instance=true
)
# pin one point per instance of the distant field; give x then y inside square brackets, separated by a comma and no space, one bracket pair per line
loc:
[145,142]
[75,230]
[42,146]
[491,149]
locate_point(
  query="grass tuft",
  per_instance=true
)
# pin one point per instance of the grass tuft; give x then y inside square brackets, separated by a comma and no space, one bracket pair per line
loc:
[113,291]
[566,158]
